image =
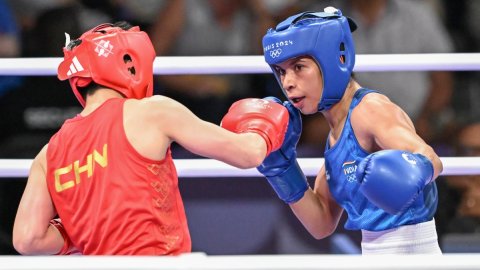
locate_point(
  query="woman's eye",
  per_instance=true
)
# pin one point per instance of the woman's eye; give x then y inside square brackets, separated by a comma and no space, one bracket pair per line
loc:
[279,71]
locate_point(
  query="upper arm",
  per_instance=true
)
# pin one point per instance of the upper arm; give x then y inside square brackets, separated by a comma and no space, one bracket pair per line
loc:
[387,126]
[179,124]
[322,191]
[36,208]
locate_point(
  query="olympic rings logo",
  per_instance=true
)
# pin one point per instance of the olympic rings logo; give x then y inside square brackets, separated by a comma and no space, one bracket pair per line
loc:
[275,53]
[351,178]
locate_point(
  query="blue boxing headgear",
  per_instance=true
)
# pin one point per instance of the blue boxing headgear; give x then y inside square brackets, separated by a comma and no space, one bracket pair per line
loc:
[325,36]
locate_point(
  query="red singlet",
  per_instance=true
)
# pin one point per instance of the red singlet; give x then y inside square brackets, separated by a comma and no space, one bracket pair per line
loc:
[112,200]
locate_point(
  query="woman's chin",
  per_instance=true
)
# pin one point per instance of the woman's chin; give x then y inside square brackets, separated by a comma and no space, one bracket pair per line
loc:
[307,111]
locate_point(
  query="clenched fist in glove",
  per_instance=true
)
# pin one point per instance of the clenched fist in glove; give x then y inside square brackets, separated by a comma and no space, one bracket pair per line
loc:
[262,116]
[281,168]
[392,179]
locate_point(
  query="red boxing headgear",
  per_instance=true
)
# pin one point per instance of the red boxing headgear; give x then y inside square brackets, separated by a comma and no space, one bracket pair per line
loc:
[111,57]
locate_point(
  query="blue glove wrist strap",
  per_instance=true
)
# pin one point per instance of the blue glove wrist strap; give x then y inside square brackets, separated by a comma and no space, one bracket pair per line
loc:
[290,185]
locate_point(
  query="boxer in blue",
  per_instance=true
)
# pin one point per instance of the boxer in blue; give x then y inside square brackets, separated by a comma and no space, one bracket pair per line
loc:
[377,168]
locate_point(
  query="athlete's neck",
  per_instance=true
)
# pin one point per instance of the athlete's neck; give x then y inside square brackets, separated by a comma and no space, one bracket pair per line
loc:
[337,114]
[96,99]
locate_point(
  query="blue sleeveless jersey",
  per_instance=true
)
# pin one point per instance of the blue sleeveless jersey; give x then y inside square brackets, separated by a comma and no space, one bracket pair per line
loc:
[341,162]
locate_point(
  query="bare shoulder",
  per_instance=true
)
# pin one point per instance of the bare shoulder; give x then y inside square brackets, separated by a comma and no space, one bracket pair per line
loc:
[376,113]
[373,103]
[158,99]
[43,153]
[156,102]
[376,108]
[152,107]
[159,103]
[158,116]
[148,123]
[40,160]
[376,118]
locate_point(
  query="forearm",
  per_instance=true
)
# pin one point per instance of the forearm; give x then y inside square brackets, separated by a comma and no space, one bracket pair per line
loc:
[314,215]
[47,241]
[429,153]
[247,150]
[437,166]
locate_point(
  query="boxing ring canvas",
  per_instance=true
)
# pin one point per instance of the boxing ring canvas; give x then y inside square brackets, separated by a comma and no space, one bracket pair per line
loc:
[198,261]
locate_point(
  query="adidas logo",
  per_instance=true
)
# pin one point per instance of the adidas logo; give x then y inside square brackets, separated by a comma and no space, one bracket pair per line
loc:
[75,66]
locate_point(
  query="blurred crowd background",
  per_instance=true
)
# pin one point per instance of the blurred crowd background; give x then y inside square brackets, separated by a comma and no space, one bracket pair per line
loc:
[243,215]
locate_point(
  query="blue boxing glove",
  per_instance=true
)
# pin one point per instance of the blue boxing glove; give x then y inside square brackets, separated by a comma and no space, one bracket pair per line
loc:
[280,167]
[392,179]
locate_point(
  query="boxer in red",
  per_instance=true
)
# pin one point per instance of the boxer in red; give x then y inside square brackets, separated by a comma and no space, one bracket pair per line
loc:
[108,173]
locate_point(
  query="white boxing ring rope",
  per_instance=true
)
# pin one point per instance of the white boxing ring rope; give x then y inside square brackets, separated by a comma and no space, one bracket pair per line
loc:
[211,168]
[255,64]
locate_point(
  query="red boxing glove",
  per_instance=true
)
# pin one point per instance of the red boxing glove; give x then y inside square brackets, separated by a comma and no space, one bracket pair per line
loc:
[267,118]
[67,244]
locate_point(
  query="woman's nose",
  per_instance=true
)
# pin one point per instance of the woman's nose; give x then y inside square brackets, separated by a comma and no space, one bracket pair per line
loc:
[288,81]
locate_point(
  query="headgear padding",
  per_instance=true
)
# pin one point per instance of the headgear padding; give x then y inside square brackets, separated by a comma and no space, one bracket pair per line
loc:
[111,57]
[325,36]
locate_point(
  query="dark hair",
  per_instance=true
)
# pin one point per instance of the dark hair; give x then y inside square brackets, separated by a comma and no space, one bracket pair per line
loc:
[88,90]
[124,25]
